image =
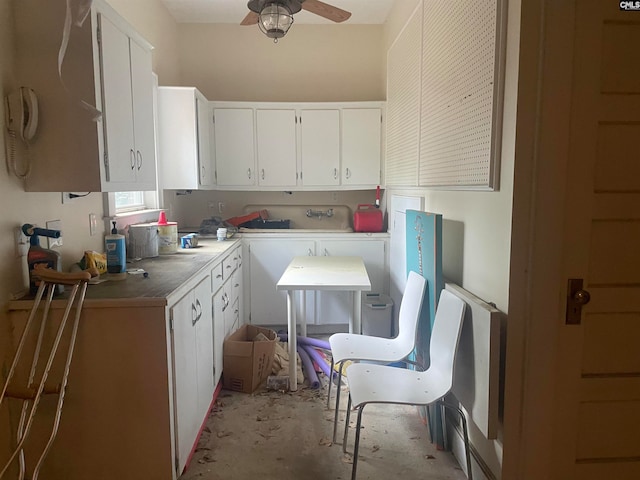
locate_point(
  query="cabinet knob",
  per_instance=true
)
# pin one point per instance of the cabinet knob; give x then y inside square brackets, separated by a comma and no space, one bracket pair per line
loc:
[348,173]
[262,173]
[335,173]
[139,159]
[249,172]
[132,158]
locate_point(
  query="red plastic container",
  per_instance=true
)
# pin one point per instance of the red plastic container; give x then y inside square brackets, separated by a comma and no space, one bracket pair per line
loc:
[367,218]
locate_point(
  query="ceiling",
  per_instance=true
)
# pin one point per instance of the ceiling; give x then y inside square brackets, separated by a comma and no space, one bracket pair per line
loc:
[233,11]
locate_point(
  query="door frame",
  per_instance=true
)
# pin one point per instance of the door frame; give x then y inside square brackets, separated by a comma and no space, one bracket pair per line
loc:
[536,292]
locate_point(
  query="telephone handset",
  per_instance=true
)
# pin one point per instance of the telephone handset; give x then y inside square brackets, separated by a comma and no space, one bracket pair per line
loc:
[21,108]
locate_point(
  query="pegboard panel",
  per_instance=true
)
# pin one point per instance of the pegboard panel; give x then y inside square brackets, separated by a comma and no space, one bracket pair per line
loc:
[459,133]
[403,104]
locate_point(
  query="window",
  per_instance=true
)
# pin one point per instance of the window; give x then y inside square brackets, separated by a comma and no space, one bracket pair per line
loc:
[129,201]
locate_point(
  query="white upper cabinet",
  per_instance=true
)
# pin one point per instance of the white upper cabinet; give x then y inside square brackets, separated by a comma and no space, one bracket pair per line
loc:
[361,146]
[320,147]
[127,96]
[184,149]
[276,147]
[96,129]
[298,146]
[234,146]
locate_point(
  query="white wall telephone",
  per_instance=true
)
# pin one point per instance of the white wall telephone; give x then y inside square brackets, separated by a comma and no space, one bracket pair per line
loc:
[21,108]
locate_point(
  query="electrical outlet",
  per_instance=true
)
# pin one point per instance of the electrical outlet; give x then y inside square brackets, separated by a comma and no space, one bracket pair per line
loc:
[220,207]
[54,225]
[66,197]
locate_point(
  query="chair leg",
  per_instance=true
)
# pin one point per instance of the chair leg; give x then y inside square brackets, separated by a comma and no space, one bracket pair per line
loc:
[330,382]
[346,425]
[335,417]
[357,444]
[465,435]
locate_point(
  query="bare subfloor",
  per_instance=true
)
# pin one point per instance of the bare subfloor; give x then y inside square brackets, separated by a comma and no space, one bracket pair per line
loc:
[287,436]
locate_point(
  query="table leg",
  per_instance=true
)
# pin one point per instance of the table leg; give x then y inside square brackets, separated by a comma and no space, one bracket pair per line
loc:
[303,310]
[357,314]
[291,331]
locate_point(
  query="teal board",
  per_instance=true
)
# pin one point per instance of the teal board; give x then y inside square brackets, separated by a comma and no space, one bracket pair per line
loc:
[424,256]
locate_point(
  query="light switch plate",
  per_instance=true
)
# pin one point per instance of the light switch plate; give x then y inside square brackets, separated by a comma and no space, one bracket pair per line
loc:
[93,224]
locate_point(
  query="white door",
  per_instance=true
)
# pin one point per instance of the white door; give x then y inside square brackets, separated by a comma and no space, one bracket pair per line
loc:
[320,147]
[234,146]
[276,146]
[602,241]
[115,67]
[581,407]
[398,247]
[184,377]
[219,308]
[143,116]
[361,146]
[204,346]
[205,162]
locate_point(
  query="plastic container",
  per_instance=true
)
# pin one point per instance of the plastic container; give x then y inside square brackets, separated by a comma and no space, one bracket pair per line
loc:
[367,218]
[114,245]
[377,314]
[167,235]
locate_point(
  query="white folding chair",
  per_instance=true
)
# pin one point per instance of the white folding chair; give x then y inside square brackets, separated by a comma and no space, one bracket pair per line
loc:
[347,346]
[385,384]
[30,390]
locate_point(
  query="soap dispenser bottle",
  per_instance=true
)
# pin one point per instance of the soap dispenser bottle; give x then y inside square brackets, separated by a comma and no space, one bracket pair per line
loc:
[116,254]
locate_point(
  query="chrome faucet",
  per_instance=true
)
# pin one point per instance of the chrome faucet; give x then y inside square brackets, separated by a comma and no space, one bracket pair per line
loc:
[320,213]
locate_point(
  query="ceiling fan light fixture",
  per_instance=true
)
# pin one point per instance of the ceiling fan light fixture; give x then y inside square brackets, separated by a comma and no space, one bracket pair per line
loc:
[275,20]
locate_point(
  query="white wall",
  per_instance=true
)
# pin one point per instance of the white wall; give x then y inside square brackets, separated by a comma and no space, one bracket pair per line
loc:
[312,63]
[482,218]
[477,225]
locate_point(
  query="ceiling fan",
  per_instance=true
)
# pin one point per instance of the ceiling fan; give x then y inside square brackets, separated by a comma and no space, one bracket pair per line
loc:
[275,17]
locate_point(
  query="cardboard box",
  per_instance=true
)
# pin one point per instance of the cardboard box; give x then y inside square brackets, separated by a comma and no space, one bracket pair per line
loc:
[248,363]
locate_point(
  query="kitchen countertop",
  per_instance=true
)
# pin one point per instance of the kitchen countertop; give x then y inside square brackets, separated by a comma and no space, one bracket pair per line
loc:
[166,274]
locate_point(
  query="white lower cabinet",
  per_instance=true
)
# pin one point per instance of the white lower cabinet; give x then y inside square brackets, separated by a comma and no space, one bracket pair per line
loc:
[226,297]
[268,258]
[335,307]
[193,364]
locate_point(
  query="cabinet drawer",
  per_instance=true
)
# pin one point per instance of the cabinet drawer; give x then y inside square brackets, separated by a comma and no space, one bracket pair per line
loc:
[217,277]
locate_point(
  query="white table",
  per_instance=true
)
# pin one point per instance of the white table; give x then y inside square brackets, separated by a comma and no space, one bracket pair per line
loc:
[321,273]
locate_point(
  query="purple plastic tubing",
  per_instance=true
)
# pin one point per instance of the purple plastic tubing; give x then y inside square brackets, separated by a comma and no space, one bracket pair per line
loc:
[314,342]
[315,355]
[309,371]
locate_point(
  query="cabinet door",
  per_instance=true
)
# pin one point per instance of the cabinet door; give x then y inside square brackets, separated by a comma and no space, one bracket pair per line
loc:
[205,162]
[276,146]
[204,346]
[192,365]
[361,137]
[320,147]
[143,117]
[268,260]
[184,378]
[335,307]
[218,335]
[234,146]
[117,102]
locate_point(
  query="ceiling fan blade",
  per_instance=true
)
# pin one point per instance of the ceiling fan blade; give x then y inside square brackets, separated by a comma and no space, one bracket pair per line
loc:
[329,12]
[250,19]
